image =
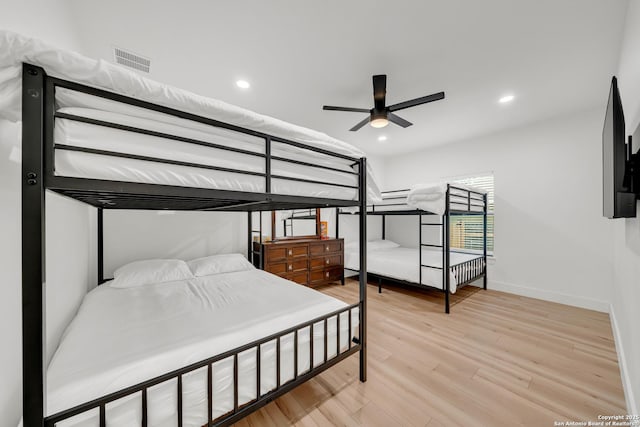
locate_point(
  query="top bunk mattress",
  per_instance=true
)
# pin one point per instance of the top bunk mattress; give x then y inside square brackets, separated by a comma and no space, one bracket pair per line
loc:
[430,198]
[71,66]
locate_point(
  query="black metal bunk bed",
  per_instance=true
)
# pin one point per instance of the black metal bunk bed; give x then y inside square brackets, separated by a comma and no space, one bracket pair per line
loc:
[38,166]
[465,202]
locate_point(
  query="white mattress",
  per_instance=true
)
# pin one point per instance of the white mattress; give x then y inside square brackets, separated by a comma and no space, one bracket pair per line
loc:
[432,198]
[17,49]
[124,336]
[402,263]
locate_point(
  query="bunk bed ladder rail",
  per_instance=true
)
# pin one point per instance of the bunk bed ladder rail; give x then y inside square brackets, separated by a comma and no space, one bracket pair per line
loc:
[446,242]
[316,366]
[485,208]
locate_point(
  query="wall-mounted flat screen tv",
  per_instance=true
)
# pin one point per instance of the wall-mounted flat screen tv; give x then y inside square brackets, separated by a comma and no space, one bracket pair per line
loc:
[617,199]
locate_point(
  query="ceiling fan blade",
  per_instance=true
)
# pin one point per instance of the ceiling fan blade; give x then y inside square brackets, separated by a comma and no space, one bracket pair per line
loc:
[359,125]
[379,91]
[398,120]
[355,110]
[412,103]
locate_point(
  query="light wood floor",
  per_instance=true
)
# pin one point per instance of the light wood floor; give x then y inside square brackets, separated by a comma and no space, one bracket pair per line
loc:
[496,360]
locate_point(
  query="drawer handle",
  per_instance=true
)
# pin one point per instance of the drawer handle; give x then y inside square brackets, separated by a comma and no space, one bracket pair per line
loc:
[327,274]
[290,267]
[326,248]
[290,251]
[327,260]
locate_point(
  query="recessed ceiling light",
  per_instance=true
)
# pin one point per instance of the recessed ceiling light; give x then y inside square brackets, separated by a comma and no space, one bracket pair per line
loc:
[382,138]
[243,84]
[506,98]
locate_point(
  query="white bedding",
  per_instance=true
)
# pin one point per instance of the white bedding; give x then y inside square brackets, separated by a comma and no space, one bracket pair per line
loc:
[17,49]
[402,263]
[124,336]
[432,198]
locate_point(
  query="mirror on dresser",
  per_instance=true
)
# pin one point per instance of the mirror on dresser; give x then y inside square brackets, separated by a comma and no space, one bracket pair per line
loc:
[296,250]
[295,224]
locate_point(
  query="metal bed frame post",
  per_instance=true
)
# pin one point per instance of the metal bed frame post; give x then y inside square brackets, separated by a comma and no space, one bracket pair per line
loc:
[384,234]
[363,267]
[100,224]
[250,237]
[484,240]
[446,242]
[420,248]
[33,244]
[337,223]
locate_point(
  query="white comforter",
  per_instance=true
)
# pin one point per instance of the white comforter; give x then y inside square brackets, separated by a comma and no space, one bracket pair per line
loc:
[67,65]
[124,336]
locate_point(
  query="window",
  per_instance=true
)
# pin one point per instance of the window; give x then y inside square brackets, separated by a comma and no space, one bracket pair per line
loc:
[466,230]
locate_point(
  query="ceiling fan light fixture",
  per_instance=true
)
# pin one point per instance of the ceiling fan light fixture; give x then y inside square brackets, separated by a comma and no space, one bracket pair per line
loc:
[379,122]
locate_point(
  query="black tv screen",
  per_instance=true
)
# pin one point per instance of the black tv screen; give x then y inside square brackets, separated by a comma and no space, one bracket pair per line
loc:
[617,201]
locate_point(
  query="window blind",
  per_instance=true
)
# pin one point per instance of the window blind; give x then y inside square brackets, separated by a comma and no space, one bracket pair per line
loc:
[466,230]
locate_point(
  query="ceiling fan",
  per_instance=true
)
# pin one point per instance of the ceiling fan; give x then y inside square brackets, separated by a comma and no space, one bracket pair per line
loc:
[380,115]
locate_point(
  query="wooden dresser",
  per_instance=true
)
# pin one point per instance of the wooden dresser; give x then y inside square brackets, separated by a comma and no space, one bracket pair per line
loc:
[310,262]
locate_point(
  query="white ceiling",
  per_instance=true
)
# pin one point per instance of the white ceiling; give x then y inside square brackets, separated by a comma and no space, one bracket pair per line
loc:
[555,56]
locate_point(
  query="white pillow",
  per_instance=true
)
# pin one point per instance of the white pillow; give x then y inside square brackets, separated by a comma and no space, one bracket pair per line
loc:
[381,244]
[216,264]
[146,272]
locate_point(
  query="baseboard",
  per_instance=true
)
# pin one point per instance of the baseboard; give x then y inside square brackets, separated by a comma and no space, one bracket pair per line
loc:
[622,363]
[558,297]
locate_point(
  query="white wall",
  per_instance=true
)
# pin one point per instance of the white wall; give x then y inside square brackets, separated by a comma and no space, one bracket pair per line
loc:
[135,235]
[626,250]
[47,19]
[551,241]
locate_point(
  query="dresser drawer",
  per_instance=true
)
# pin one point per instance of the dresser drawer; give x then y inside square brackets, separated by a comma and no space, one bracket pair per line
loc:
[326,275]
[274,254]
[277,253]
[300,277]
[325,247]
[288,266]
[298,251]
[325,261]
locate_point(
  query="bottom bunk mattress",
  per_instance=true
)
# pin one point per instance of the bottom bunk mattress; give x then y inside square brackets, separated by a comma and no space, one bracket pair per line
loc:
[403,264]
[121,337]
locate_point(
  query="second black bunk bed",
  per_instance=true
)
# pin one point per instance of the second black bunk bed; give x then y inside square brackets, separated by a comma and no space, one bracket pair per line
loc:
[431,264]
[121,164]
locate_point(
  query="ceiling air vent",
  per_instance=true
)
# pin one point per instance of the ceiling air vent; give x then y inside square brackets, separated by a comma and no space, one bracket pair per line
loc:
[131,60]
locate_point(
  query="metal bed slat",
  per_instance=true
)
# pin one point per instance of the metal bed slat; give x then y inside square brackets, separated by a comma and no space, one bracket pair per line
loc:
[316,149]
[349,333]
[338,334]
[209,394]
[311,347]
[154,159]
[103,416]
[144,407]
[258,370]
[326,338]
[278,362]
[295,355]
[312,181]
[148,132]
[300,162]
[267,166]
[235,382]
[179,391]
